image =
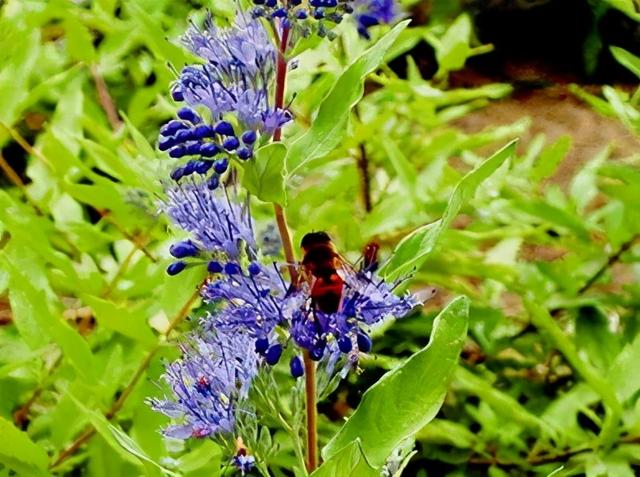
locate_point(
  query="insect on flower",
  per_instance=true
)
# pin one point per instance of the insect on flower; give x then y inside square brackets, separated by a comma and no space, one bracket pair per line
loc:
[337,302]
[320,267]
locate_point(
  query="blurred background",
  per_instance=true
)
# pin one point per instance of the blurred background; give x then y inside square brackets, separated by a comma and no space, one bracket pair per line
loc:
[87,313]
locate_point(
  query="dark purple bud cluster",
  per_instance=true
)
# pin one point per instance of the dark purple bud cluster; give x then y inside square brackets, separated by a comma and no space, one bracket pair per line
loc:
[188,136]
[181,250]
[299,14]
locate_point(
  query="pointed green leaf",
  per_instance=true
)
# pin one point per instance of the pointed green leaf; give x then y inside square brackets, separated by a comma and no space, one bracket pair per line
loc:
[413,250]
[123,319]
[19,452]
[408,397]
[32,303]
[264,174]
[627,59]
[348,462]
[330,124]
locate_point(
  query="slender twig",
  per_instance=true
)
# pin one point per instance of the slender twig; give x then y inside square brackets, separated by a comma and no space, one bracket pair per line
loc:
[15,179]
[365,179]
[90,431]
[312,412]
[613,259]
[24,144]
[105,99]
[287,245]
[132,238]
[281,219]
[309,365]
[593,279]
[121,270]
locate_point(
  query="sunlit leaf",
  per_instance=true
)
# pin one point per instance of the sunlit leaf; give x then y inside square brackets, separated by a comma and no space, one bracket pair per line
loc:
[406,399]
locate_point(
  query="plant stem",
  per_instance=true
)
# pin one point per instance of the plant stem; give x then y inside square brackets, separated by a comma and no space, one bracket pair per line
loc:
[287,245]
[312,412]
[612,260]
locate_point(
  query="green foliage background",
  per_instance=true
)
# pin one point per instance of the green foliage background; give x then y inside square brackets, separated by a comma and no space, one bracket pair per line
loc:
[548,381]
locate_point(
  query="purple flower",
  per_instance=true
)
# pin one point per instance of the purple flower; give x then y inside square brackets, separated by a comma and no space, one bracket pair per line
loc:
[366,300]
[252,299]
[369,13]
[243,462]
[237,76]
[214,218]
[208,382]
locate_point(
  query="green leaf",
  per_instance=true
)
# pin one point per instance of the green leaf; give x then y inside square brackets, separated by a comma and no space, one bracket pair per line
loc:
[19,452]
[348,462]
[406,171]
[502,403]
[79,41]
[627,59]
[442,431]
[32,304]
[453,49]
[154,36]
[116,438]
[627,7]
[264,174]
[330,124]
[132,447]
[594,338]
[144,148]
[123,319]
[413,250]
[550,159]
[408,397]
[623,374]
[204,461]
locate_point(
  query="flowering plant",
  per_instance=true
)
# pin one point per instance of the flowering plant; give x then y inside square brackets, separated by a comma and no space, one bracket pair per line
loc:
[318,312]
[218,231]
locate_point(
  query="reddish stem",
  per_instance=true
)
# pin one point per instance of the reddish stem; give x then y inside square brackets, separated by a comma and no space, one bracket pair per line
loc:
[309,365]
[281,75]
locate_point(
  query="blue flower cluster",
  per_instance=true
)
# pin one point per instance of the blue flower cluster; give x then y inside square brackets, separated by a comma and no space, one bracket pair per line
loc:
[366,300]
[209,382]
[195,207]
[233,87]
[300,15]
[259,317]
[256,308]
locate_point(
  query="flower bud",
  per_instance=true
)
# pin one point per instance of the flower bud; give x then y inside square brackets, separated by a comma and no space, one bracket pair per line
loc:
[209,149]
[262,345]
[272,356]
[189,114]
[254,268]
[245,153]
[175,268]
[364,342]
[232,268]
[176,94]
[221,165]
[224,128]
[249,137]
[296,366]
[214,267]
[231,143]
[344,344]
[183,249]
